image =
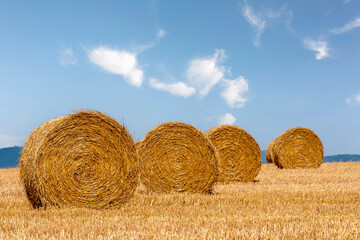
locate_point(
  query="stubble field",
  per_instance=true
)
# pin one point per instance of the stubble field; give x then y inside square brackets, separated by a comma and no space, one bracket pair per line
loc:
[321,203]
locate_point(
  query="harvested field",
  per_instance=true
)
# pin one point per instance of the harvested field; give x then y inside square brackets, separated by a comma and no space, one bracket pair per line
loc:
[321,203]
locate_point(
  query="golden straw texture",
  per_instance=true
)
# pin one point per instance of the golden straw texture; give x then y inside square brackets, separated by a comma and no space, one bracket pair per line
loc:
[238,152]
[138,145]
[177,157]
[297,148]
[85,159]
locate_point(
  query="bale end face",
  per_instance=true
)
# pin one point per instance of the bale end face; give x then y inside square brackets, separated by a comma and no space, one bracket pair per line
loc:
[238,152]
[298,148]
[85,159]
[177,157]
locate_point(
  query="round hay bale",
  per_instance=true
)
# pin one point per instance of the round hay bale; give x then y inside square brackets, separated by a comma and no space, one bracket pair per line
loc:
[85,159]
[297,148]
[238,152]
[269,151]
[177,157]
[28,158]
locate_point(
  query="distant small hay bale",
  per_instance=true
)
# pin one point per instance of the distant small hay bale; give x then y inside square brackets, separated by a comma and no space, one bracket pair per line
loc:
[177,157]
[85,159]
[297,148]
[270,151]
[239,154]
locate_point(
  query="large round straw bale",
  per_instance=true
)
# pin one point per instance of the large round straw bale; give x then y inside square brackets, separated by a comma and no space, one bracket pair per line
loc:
[85,159]
[297,148]
[239,154]
[177,157]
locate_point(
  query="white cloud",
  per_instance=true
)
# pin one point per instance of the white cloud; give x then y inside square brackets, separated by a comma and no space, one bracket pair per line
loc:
[234,92]
[227,119]
[354,100]
[67,57]
[255,21]
[347,1]
[178,88]
[319,46]
[118,62]
[123,62]
[10,141]
[204,73]
[347,27]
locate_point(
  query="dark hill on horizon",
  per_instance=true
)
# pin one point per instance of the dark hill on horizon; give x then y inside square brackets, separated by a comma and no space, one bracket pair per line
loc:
[9,157]
[333,158]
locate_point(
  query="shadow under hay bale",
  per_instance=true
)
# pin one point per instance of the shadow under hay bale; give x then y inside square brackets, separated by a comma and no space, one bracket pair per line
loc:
[177,157]
[238,152]
[85,159]
[296,148]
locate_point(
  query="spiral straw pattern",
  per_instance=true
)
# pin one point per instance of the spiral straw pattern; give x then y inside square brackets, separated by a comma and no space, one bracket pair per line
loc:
[85,159]
[296,148]
[177,157]
[239,154]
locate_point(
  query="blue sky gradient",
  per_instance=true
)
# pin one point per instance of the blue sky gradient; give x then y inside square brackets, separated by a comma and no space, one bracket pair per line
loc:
[265,66]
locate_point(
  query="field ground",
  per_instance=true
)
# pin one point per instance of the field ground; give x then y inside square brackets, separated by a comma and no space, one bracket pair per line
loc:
[319,203]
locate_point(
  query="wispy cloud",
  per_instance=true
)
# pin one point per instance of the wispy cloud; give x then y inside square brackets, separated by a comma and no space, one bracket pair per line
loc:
[255,21]
[10,141]
[160,34]
[347,1]
[347,27]
[227,119]
[204,73]
[118,62]
[234,92]
[321,47]
[178,88]
[67,57]
[288,18]
[354,100]
[260,20]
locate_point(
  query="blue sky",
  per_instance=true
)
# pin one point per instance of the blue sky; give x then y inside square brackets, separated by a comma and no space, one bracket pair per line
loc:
[265,66]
